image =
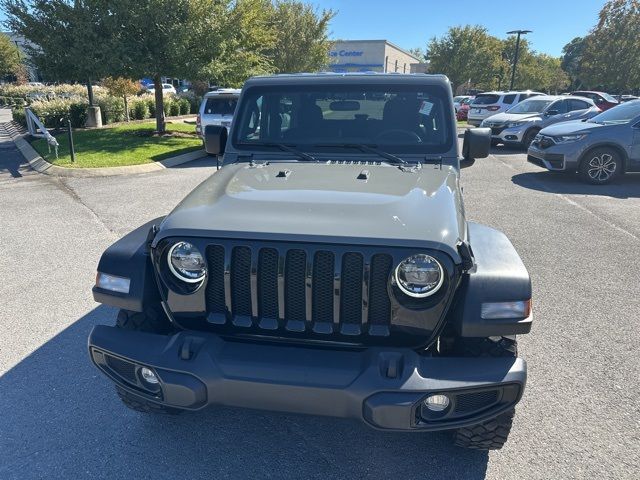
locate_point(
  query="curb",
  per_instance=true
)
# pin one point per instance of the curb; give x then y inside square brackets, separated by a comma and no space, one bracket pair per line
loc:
[40,165]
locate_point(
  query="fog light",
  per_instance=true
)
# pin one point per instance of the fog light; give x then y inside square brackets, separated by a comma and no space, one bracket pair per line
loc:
[436,402]
[149,376]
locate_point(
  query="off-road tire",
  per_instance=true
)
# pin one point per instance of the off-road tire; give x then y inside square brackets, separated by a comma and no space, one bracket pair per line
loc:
[489,435]
[152,320]
[600,165]
[144,406]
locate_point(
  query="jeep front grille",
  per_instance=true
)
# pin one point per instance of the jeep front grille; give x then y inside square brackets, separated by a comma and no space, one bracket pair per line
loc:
[317,289]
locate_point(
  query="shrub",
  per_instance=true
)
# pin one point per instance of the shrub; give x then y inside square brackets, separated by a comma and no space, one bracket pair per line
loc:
[112,109]
[140,110]
[78,114]
[174,108]
[185,106]
[151,105]
[19,116]
[52,113]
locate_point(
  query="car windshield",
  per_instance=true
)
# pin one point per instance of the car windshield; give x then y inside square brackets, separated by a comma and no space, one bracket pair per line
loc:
[530,106]
[609,98]
[402,118]
[623,113]
[220,106]
[486,99]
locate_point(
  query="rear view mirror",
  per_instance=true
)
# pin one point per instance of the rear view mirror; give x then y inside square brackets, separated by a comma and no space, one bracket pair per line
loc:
[476,144]
[215,139]
[344,106]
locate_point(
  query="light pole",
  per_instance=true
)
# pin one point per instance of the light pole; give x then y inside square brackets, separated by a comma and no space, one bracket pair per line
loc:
[515,59]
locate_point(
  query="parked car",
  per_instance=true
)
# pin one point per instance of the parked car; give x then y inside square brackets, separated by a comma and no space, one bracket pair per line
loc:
[599,149]
[520,124]
[317,273]
[217,108]
[457,101]
[626,98]
[166,88]
[603,100]
[463,111]
[491,103]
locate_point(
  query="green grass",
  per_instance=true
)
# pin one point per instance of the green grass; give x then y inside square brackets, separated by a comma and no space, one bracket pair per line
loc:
[463,124]
[119,146]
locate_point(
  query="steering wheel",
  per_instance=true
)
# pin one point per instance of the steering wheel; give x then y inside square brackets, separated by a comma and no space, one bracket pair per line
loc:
[400,135]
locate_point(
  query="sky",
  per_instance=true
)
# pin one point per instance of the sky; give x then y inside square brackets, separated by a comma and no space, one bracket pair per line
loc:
[411,23]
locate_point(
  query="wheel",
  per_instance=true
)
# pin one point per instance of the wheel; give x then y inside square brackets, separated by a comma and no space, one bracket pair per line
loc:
[152,320]
[489,435]
[600,165]
[144,406]
[528,138]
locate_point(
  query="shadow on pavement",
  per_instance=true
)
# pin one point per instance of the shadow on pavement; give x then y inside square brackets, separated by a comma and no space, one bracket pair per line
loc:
[626,186]
[61,419]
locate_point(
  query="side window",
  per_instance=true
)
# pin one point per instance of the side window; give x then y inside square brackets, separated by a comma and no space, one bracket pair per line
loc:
[523,96]
[577,105]
[509,99]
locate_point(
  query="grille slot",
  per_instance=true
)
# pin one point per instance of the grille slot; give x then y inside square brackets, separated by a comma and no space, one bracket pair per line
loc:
[325,291]
[125,370]
[469,402]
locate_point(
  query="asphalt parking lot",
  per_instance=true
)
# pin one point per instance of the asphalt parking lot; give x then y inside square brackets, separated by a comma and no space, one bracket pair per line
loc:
[61,419]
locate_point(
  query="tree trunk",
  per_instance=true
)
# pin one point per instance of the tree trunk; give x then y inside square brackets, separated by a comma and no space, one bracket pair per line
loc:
[126,108]
[157,84]
[90,92]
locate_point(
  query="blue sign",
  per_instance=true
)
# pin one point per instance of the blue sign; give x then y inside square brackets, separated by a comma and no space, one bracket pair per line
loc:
[346,53]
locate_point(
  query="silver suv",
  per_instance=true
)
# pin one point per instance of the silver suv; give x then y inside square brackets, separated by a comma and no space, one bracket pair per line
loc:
[217,108]
[490,103]
[520,124]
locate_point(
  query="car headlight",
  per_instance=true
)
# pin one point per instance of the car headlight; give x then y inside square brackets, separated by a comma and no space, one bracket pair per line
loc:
[419,276]
[515,124]
[186,262]
[569,138]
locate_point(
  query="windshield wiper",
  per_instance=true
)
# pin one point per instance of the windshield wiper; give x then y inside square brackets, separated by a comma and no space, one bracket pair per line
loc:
[287,148]
[365,148]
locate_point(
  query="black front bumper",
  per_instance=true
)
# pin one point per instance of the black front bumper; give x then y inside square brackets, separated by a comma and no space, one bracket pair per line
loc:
[382,386]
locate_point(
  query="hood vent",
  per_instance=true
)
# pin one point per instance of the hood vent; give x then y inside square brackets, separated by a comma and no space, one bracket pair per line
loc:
[351,162]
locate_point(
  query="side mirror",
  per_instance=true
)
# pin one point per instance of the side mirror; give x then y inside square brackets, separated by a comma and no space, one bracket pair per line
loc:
[215,139]
[476,144]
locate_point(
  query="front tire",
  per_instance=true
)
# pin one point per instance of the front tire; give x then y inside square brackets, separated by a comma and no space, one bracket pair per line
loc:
[491,434]
[151,320]
[600,166]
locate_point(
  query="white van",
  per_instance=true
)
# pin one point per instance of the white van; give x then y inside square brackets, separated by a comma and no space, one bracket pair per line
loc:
[491,103]
[217,108]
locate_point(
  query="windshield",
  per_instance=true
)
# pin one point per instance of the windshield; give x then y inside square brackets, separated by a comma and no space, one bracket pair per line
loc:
[530,106]
[411,119]
[220,106]
[622,113]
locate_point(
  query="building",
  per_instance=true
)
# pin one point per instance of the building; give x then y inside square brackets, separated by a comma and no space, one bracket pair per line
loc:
[372,56]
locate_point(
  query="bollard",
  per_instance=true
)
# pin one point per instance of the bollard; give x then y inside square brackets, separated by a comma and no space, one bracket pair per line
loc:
[71,149]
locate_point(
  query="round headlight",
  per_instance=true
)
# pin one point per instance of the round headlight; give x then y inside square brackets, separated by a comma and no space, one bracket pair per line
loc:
[419,276]
[186,262]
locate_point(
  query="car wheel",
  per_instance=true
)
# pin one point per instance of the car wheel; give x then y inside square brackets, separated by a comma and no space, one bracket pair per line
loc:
[528,138]
[600,166]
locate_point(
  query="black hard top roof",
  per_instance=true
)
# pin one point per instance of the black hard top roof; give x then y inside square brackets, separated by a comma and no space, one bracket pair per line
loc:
[349,78]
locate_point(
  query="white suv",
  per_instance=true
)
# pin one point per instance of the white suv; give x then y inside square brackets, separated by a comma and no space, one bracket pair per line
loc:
[217,108]
[490,103]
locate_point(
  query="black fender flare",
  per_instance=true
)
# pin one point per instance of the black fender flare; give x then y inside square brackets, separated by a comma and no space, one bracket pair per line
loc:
[130,258]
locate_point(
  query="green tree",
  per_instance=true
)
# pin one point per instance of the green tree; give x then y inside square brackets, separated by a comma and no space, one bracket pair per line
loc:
[610,58]
[465,54]
[572,54]
[121,87]
[68,40]
[10,60]
[301,37]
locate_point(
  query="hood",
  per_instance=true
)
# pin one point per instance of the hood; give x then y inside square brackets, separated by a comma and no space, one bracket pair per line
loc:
[568,128]
[327,202]
[511,117]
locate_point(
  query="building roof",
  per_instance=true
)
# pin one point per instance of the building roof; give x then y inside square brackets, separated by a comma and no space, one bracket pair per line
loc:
[382,41]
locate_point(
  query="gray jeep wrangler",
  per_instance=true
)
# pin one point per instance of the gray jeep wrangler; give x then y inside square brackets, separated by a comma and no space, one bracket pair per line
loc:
[327,268]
